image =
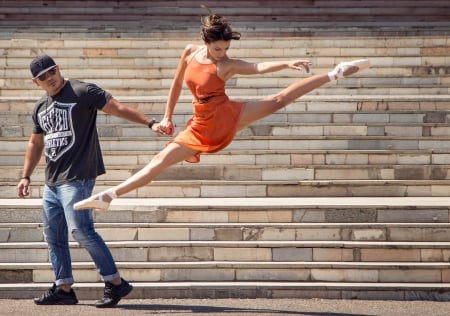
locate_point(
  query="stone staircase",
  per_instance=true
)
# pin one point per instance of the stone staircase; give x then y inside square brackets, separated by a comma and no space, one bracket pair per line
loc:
[343,194]
[368,248]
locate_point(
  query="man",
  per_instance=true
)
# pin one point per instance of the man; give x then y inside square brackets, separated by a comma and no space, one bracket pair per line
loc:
[65,128]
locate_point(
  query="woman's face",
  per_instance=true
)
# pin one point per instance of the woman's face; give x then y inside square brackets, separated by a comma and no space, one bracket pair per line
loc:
[218,49]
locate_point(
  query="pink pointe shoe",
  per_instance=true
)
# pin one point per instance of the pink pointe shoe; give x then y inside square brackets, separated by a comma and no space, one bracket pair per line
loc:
[99,201]
[348,68]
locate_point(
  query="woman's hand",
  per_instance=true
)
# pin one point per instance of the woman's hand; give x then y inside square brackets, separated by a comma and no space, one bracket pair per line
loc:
[300,64]
[165,127]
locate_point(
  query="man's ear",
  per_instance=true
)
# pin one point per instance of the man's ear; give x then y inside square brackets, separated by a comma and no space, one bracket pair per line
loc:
[35,82]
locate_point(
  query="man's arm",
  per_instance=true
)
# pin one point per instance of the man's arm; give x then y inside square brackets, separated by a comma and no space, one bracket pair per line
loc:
[116,108]
[32,156]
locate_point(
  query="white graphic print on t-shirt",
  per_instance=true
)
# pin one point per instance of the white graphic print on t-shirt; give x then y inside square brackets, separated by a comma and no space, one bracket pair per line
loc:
[56,121]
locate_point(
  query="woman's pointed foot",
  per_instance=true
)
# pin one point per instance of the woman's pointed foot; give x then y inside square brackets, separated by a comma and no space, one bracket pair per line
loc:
[348,68]
[99,202]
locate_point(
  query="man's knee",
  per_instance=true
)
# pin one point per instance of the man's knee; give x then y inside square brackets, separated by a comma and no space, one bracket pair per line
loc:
[79,236]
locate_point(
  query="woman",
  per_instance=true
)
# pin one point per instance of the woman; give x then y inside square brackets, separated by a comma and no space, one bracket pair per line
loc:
[216,118]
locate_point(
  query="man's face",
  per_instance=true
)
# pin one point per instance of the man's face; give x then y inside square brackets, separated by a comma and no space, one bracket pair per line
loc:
[51,81]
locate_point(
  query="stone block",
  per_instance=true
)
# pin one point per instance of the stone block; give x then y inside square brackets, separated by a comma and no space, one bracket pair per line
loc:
[292,254]
[33,234]
[167,254]
[368,234]
[446,275]
[16,276]
[11,215]
[114,217]
[268,233]
[309,216]
[242,254]
[412,216]
[201,216]
[345,130]
[23,255]
[205,234]
[129,254]
[432,255]
[275,159]
[118,234]
[411,275]
[163,233]
[333,254]
[163,191]
[207,275]
[345,275]
[352,215]
[228,234]
[4,234]
[390,255]
[278,275]
[339,174]
[318,233]
[276,216]
[348,159]
[283,174]
[233,191]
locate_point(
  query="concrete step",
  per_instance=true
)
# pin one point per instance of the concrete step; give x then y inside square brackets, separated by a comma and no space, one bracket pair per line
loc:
[308,267]
[254,17]
[32,232]
[235,271]
[272,211]
[294,128]
[428,104]
[269,172]
[115,159]
[272,143]
[400,65]
[260,289]
[249,251]
[266,188]
[355,86]
[290,117]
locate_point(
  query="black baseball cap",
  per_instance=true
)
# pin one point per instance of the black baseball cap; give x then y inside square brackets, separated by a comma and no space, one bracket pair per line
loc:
[41,64]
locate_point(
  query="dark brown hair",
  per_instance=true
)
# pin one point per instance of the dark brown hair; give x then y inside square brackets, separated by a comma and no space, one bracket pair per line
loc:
[216,28]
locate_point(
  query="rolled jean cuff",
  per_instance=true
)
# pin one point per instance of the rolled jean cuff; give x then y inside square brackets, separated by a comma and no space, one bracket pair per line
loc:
[64,281]
[107,278]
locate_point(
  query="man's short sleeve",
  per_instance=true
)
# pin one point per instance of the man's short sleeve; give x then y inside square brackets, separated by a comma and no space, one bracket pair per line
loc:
[37,129]
[98,96]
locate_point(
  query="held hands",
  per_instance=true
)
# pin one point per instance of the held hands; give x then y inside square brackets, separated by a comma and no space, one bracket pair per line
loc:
[300,64]
[165,127]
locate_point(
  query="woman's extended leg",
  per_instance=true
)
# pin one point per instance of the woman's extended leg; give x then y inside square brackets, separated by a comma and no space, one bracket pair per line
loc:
[253,111]
[257,110]
[170,155]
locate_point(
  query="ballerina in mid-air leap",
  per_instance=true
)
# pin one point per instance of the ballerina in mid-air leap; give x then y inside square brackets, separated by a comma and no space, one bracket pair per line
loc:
[216,118]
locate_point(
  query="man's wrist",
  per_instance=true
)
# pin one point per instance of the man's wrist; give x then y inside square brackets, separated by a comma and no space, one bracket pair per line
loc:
[150,124]
[26,177]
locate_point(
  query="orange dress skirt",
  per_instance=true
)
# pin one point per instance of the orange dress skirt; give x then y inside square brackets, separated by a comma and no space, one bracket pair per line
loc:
[211,128]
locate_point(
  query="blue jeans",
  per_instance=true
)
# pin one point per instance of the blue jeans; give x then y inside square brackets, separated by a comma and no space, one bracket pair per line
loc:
[59,218]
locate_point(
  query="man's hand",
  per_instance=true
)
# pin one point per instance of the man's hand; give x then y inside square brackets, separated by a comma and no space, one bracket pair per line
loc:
[165,127]
[23,188]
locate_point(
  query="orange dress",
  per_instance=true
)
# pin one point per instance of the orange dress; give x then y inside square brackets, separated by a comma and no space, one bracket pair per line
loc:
[214,122]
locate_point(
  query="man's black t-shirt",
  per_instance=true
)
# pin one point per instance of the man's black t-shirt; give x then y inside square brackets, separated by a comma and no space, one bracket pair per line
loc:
[68,122]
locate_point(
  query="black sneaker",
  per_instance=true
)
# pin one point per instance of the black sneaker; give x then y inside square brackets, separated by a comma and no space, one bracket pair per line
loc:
[57,296]
[113,294]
